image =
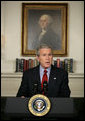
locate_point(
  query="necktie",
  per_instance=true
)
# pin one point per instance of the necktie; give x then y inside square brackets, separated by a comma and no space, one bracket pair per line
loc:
[45,78]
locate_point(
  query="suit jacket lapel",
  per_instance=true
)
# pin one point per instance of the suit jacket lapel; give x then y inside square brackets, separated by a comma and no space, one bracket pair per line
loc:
[37,74]
[52,81]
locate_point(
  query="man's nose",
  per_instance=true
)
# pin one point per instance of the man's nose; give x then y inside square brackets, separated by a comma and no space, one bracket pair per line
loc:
[47,56]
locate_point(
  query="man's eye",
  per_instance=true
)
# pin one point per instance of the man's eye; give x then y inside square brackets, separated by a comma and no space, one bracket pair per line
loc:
[44,54]
[50,54]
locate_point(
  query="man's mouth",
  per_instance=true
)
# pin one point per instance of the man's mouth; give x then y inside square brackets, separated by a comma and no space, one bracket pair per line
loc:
[47,62]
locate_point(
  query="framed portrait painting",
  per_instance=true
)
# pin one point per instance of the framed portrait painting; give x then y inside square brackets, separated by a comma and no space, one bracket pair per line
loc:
[44,23]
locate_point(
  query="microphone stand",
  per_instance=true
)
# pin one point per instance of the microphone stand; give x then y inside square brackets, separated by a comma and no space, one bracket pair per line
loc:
[45,87]
[35,89]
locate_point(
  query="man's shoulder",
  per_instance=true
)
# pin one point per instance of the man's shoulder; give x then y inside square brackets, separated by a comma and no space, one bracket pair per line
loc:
[58,70]
[30,70]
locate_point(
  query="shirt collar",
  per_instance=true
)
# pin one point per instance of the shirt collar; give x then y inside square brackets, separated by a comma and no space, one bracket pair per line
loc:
[42,69]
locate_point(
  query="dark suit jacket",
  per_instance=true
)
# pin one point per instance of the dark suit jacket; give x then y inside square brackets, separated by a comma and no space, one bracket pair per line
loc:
[50,38]
[57,86]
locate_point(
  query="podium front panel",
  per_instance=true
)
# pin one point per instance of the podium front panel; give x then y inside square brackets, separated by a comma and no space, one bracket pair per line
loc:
[16,107]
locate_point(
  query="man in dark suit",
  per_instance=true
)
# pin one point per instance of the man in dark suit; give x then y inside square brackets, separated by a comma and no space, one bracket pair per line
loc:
[32,78]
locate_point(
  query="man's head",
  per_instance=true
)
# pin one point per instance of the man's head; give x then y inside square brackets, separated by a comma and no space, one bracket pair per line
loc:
[44,21]
[44,55]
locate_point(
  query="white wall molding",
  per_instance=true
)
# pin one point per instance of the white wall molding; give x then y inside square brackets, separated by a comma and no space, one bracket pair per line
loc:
[10,83]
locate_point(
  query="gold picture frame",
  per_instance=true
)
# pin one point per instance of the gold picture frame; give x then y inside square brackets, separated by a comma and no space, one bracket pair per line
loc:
[31,13]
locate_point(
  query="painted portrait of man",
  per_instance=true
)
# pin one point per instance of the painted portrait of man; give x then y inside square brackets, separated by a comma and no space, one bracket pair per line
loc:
[44,27]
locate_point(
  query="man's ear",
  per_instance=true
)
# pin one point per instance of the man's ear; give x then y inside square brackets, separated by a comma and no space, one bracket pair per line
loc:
[37,58]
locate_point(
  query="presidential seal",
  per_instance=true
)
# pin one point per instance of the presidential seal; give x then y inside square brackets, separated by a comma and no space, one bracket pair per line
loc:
[39,105]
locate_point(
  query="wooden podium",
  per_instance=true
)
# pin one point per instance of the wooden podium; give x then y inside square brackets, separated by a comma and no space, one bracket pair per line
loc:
[61,108]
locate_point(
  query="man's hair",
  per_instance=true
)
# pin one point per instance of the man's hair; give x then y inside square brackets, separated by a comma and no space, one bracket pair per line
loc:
[41,47]
[50,20]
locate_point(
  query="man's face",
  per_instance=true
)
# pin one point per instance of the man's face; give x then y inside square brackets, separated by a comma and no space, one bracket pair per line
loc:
[43,22]
[45,57]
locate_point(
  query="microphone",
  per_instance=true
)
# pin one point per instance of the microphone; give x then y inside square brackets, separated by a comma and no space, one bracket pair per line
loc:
[45,87]
[35,89]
